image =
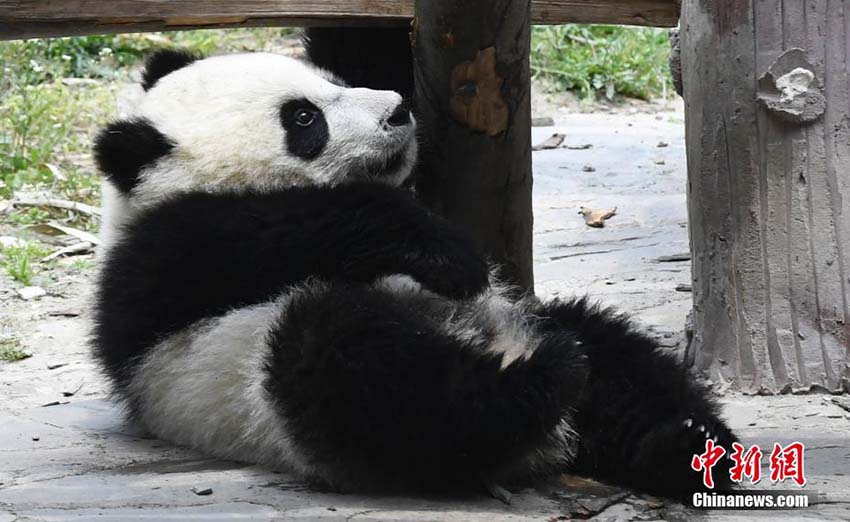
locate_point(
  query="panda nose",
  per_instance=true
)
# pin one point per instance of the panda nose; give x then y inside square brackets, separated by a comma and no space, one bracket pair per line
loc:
[400,116]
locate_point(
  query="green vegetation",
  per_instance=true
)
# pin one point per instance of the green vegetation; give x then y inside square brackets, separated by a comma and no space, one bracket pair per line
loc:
[54,95]
[11,351]
[21,261]
[602,60]
[81,265]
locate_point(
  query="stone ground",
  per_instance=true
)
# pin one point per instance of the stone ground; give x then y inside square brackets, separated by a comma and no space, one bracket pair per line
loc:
[66,455]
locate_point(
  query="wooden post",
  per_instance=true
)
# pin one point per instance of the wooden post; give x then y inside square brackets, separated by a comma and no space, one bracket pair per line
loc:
[473,103]
[767,95]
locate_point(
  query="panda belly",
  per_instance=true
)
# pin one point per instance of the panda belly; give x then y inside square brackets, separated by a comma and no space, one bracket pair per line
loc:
[204,388]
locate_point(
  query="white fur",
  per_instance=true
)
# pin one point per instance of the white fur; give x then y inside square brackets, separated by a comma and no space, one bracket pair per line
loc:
[470,321]
[116,211]
[204,388]
[223,114]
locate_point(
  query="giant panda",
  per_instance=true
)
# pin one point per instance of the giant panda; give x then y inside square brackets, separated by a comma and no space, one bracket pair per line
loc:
[269,293]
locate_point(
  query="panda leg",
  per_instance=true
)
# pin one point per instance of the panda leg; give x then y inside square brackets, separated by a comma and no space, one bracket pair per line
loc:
[642,416]
[375,394]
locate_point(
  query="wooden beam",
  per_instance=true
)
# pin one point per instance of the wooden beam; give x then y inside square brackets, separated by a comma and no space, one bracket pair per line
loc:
[471,71]
[49,18]
[653,13]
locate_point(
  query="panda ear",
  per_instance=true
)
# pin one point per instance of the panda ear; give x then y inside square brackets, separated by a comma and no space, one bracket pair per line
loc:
[164,62]
[125,147]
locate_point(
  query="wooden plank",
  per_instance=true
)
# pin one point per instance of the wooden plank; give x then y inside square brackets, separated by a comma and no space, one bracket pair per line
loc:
[655,13]
[47,18]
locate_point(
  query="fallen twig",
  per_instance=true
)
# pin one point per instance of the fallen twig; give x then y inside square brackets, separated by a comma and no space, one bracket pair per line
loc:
[79,234]
[675,258]
[83,247]
[76,206]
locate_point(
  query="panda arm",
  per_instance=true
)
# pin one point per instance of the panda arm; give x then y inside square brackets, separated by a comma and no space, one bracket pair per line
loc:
[246,246]
[367,231]
[201,255]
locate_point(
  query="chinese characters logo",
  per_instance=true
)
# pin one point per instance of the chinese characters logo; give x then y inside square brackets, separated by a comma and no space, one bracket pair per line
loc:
[786,463]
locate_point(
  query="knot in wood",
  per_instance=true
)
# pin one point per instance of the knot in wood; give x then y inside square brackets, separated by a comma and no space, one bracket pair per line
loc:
[476,94]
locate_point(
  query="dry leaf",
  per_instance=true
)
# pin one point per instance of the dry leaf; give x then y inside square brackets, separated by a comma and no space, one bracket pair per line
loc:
[552,142]
[56,171]
[596,217]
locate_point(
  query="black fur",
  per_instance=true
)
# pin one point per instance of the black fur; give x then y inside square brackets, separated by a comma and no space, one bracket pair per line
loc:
[305,141]
[371,389]
[633,417]
[124,147]
[162,63]
[376,58]
[200,255]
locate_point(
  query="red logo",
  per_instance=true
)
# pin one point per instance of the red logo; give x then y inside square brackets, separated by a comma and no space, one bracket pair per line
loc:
[706,461]
[785,463]
[746,464]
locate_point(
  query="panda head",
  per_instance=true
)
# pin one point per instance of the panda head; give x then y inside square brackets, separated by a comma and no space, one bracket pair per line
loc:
[251,122]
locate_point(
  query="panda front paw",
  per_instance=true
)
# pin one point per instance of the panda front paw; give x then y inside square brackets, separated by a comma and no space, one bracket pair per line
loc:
[714,429]
[671,448]
[457,273]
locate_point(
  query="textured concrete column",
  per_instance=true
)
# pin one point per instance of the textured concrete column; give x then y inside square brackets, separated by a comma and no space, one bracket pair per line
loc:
[767,96]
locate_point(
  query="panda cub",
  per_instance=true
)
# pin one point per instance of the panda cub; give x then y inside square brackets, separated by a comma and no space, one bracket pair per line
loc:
[269,294]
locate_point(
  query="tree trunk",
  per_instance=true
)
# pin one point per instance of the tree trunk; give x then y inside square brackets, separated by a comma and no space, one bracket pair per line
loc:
[473,104]
[767,96]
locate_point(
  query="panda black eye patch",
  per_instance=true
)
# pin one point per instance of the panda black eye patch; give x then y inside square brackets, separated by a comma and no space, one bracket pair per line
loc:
[305,127]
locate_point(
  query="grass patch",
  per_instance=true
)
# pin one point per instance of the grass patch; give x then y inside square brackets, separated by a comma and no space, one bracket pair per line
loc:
[45,136]
[21,262]
[30,62]
[602,60]
[29,216]
[47,122]
[11,351]
[81,265]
